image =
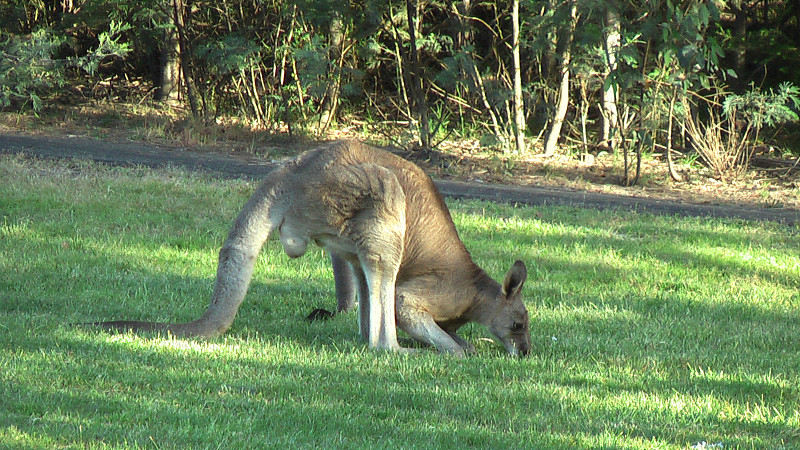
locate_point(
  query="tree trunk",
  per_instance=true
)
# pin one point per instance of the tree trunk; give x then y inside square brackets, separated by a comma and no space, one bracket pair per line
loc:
[415,77]
[547,66]
[519,107]
[179,18]
[612,33]
[670,123]
[282,79]
[169,77]
[740,50]
[564,54]
[331,100]
[464,43]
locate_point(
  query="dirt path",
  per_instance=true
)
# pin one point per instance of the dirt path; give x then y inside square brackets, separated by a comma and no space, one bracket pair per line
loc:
[128,153]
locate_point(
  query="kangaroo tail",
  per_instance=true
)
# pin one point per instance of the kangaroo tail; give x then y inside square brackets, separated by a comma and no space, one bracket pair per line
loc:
[261,215]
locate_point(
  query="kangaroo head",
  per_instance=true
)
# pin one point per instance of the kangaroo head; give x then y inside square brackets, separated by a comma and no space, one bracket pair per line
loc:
[510,322]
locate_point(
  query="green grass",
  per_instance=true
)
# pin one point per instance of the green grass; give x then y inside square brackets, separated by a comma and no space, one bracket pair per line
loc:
[648,332]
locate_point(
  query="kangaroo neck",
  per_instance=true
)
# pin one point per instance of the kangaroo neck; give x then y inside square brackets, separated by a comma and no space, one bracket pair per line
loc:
[483,291]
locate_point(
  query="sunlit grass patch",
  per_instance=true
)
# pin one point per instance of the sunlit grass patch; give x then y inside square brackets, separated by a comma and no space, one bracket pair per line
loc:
[648,332]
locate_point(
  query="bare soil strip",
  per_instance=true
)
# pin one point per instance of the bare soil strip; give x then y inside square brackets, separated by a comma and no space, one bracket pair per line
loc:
[251,167]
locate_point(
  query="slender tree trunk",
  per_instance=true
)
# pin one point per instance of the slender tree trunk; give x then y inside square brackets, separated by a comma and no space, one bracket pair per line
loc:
[640,117]
[564,53]
[465,41]
[464,36]
[179,18]
[519,107]
[287,110]
[670,123]
[415,76]
[402,74]
[331,100]
[169,68]
[739,84]
[401,69]
[612,33]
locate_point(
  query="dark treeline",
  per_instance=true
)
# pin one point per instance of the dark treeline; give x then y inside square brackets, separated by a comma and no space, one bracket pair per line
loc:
[656,75]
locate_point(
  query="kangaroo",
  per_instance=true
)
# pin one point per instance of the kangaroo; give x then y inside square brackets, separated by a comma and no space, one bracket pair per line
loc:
[393,245]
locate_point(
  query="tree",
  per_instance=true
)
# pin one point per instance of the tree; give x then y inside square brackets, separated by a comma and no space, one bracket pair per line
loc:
[519,106]
[611,45]
[169,68]
[416,80]
[336,53]
[179,19]
[503,71]
[564,55]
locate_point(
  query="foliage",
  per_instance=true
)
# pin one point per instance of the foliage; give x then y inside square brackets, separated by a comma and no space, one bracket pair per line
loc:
[762,109]
[28,66]
[109,46]
[722,143]
[300,66]
[726,136]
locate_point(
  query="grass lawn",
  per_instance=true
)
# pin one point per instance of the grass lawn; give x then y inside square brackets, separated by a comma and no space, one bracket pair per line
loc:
[648,332]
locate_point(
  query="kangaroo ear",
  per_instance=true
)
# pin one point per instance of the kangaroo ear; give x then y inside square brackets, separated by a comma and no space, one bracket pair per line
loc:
[515,278]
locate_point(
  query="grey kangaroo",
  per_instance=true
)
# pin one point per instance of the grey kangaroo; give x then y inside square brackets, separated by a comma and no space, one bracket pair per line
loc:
[392,242]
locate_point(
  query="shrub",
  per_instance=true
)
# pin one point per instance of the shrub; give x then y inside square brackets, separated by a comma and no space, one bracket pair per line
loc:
[27,65]
[726,138]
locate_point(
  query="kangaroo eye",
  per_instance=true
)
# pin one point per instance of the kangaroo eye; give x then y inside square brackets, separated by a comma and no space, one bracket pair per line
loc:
[517,326]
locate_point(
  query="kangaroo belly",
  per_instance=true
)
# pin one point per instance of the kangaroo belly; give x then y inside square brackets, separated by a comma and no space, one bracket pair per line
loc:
[338,245]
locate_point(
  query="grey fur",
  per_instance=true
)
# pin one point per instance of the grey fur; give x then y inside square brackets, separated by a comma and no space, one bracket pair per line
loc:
[393,245]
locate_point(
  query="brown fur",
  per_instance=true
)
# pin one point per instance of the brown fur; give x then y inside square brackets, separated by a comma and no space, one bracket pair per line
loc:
[393,244]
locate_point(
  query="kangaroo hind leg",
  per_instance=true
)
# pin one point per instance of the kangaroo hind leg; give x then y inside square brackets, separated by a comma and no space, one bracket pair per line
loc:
[378,233]
[360,282]
[346,284]
[421,326]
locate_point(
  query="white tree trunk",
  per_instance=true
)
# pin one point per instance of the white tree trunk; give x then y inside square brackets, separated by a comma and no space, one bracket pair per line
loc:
[564,52]
[612,33]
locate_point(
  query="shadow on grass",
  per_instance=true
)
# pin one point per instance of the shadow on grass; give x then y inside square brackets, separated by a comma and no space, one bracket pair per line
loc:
[125,392]
[624,359]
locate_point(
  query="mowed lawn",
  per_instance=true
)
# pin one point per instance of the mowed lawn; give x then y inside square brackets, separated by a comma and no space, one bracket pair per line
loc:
[648,332]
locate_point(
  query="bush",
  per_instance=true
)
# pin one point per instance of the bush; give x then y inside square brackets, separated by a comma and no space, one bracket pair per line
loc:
[726,138]
[27,65]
